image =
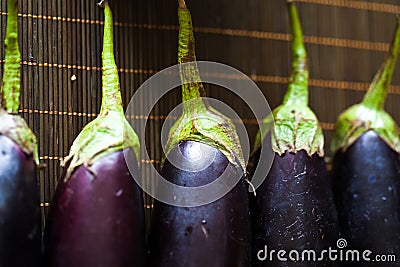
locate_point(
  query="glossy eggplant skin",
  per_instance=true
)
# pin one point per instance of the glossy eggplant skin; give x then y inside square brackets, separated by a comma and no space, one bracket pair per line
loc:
[213,235]
[366,189]
[96,218]
[294,209]
[20,228]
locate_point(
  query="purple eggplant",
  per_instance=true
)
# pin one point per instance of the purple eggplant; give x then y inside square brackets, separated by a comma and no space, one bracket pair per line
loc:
[366,189]
[213,234]
[293,208]
[96,217]
[366,168]
[216,234]
[20,227]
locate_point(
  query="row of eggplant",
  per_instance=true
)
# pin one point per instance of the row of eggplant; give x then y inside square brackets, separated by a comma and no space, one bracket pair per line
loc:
[96,217]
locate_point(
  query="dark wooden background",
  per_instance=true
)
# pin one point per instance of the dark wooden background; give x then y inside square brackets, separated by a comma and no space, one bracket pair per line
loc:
[346,42]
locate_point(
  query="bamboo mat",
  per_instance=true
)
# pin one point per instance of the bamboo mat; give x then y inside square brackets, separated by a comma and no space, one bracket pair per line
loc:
[61,45]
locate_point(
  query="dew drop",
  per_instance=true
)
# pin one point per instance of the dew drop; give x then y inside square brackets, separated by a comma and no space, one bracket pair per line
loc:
[119,193]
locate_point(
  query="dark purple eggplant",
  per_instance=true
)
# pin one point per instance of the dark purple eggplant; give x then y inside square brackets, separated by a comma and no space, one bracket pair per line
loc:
[293,208]
[20,228]
[96,217]
[216,234]
[367,192]
[213,234]
[366,168]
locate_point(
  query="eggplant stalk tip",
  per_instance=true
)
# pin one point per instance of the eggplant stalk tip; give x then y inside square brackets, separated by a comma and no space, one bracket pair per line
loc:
[102,3]
[376,94]
[182,4]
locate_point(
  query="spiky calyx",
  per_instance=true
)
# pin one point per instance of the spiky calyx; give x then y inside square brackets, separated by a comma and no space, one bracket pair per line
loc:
[295,126]
[15,128]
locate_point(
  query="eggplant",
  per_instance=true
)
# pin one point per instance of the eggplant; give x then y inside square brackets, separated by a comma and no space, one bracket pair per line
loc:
[293,208]
[20,228]
[212,234]
[96,216]
[366,168]
[216,234]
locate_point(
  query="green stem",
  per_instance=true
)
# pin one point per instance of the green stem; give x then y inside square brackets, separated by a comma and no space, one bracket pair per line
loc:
[199,122]
[298,84]
[376,94]
[112,100]
[192,88]
[110,131]
[10,89]
[296,126]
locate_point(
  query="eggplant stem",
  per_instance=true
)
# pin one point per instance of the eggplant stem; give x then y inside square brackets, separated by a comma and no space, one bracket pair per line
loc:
[376,94]
[10,87]
[296,126]
[199,121]
[110,131]
[298,83]
[111,100]
[192,87]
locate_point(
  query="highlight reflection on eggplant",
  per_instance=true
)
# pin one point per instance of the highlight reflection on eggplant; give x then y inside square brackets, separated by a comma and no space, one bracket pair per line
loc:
[293,208]
[366,167]
[96,217]
[215,234]
[20,228]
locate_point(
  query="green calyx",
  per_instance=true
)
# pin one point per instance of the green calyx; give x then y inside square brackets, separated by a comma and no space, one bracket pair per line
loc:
[13,126]
[295,127]
[369,114]
[110,131]
[199,121]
